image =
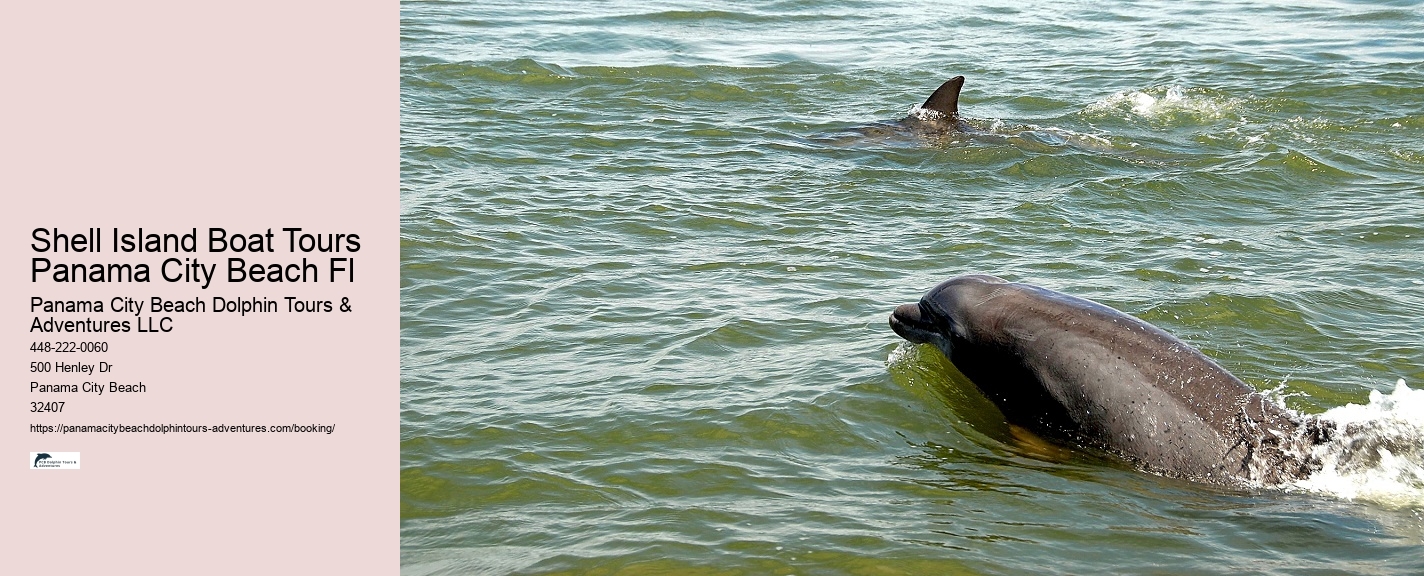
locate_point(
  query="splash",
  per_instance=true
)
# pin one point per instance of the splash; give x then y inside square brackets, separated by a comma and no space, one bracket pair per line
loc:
[926,115]
[1144,104]
[1378,451]
[1169,103]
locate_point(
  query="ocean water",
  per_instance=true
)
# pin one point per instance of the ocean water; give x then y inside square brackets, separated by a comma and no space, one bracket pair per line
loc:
[649,250]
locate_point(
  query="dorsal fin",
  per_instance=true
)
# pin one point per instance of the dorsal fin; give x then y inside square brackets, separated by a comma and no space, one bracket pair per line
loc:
[945,100]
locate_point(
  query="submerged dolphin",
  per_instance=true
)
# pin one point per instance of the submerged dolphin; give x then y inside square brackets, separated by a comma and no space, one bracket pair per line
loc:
[937,117]
[937,122]
[1078,371]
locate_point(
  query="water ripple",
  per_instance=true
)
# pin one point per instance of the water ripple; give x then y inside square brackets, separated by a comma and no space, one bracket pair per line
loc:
[648,253]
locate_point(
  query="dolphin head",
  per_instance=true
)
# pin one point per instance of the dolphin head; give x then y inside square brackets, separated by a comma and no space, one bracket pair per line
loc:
[943,316]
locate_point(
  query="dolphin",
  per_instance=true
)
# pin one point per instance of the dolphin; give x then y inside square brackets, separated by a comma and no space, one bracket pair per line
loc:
[1080,372]
[38,457]
[936,118]
[940,112]
[937,122]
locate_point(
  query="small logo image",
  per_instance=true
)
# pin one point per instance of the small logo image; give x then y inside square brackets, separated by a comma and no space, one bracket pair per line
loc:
[54,460]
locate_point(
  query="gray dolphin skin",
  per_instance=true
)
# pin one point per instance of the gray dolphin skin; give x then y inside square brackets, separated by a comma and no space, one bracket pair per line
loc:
[940,112]
[1080,372]
[936,118]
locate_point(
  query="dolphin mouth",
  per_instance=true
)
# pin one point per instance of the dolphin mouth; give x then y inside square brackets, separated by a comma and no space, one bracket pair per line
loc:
[908,320]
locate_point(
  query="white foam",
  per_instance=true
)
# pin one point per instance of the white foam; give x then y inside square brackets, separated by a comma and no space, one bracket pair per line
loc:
[1377,453]
[1142,103]
[926,114]
[1170,100]
[900,355]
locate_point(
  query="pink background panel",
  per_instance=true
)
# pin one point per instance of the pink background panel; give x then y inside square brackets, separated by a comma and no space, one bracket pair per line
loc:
[177,115]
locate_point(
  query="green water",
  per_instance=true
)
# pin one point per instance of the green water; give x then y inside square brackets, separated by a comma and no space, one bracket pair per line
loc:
[649,251]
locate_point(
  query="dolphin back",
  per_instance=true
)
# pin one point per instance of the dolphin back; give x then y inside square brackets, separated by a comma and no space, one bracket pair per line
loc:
[945,99]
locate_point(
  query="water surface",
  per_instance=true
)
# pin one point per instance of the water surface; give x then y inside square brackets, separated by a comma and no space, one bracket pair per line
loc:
[649,250]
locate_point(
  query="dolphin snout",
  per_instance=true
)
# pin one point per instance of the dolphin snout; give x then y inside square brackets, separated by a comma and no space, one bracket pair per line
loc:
[907,321]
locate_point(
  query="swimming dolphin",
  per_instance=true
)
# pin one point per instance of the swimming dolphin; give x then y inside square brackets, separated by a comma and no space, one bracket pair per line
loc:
[941,110]
[936,118]
[1077,371]
[38,457]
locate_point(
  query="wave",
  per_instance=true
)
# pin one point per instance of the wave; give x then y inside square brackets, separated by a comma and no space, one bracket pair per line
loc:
[1173,104]
[1377,453]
